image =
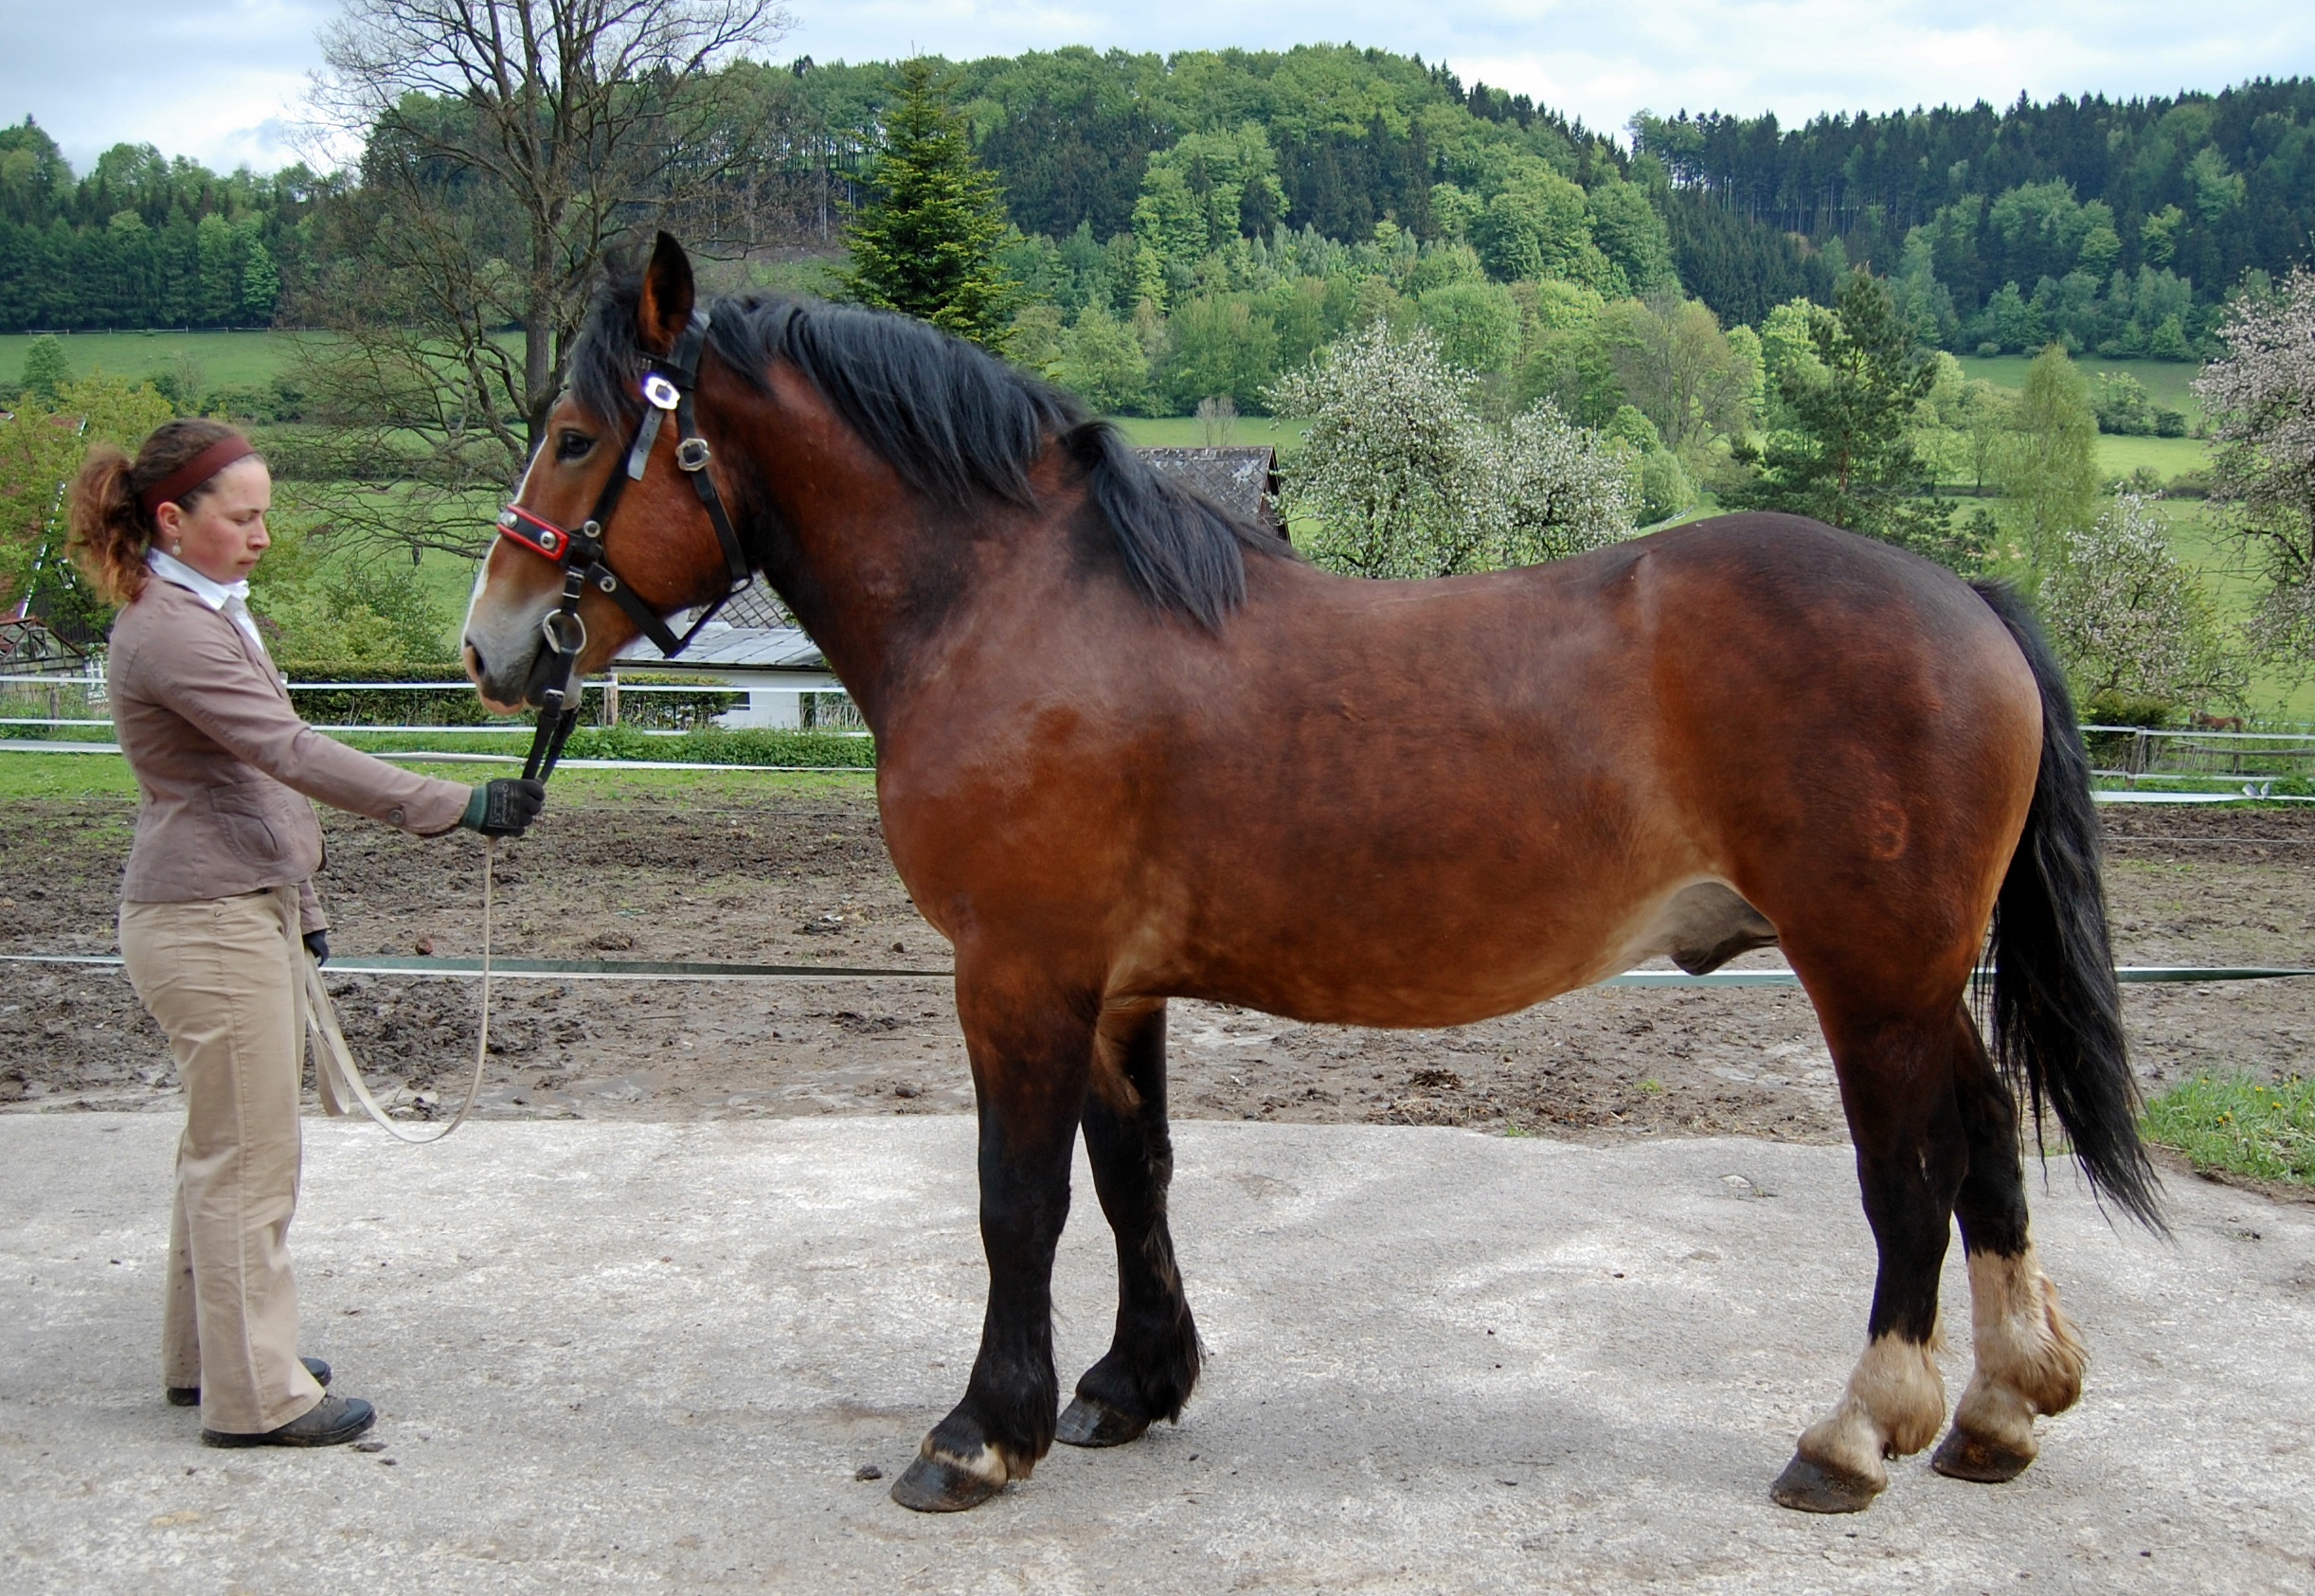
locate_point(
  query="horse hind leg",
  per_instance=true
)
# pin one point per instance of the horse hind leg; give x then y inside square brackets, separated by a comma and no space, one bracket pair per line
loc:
[1897,1087]
[1153,1359]
[2028,1359]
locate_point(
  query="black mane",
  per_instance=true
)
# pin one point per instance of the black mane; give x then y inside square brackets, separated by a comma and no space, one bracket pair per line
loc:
[954,423]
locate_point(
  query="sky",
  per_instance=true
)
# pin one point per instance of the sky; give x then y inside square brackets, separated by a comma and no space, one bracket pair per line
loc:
[224,81]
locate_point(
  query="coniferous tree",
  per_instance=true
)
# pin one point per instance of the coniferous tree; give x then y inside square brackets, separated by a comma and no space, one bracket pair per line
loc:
[926,244]
[1846,458]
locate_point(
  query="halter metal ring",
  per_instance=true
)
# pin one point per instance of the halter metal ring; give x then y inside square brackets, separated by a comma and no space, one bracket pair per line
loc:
[548,624]
[693,454]
[660,393]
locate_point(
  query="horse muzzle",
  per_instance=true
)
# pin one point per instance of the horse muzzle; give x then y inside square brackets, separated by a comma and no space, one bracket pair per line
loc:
[511,678]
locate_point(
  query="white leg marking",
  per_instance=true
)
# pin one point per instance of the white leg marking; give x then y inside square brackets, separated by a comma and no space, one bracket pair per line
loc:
[1895,1404]
[986,1462]
[2028,1359]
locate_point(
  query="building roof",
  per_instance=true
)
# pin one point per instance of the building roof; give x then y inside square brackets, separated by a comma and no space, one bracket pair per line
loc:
[29,648]
[722,646]
[755,633]
[1243,482]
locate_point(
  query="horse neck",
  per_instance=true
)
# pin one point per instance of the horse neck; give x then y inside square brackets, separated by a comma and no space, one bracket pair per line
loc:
[870,569]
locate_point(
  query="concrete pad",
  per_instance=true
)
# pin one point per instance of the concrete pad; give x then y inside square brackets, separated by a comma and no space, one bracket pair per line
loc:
[655,1356]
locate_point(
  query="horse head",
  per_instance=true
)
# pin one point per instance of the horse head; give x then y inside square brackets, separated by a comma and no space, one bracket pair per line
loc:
[605,503]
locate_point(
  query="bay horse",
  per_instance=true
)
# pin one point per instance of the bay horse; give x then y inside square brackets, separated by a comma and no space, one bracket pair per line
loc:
[1129,750]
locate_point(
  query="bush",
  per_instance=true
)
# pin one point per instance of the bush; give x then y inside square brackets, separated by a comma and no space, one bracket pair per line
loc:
[818,751]
[2123,405]
[2113,708]
[1665,487]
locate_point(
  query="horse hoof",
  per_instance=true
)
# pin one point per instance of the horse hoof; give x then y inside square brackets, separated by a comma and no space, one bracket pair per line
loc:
[935,1485]
[1968,1457]
[1091,1423]
[1811,1487]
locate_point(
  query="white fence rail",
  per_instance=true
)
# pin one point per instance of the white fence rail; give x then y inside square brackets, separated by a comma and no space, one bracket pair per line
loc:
[80,702]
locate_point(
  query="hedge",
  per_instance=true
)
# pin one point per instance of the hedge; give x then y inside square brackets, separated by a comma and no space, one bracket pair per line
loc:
[460,705]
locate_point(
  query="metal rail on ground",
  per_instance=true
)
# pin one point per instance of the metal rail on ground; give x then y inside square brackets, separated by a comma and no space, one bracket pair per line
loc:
[679,970]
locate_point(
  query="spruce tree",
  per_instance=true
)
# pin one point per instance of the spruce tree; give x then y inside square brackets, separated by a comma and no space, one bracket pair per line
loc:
[1846,459]
[925,243]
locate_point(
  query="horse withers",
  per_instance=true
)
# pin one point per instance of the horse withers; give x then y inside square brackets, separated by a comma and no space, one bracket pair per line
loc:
[1129,751]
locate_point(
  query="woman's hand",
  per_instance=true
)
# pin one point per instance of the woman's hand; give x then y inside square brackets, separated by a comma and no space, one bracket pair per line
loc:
[318,943]
[505,807]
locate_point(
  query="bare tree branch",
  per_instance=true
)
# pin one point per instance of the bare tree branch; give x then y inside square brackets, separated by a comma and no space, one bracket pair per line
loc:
[507,146]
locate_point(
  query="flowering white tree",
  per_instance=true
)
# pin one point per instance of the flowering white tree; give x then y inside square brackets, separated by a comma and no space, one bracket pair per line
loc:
[2261,401]
[1401,476]
[2132,623]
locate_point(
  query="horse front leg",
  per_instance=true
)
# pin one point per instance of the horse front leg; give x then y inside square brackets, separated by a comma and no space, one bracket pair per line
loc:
[1153,1359]
[1030,1048]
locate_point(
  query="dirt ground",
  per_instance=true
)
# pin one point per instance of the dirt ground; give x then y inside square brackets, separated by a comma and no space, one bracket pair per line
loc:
[804,879]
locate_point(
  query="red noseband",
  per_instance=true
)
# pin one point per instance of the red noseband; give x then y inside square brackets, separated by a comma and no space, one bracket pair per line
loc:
[536,533]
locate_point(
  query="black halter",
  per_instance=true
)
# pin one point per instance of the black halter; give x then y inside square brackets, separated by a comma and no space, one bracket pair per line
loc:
[666,388]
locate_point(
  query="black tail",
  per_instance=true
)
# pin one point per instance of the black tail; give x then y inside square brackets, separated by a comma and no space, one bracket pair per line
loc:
[2057,1010]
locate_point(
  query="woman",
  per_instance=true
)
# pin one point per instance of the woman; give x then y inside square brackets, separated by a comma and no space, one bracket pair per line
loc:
[218,910]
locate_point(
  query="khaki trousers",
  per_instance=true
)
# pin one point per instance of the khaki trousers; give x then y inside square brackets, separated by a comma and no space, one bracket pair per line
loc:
[224,977]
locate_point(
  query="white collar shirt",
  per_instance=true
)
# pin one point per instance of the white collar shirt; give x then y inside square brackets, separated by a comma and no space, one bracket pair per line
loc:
[230,598]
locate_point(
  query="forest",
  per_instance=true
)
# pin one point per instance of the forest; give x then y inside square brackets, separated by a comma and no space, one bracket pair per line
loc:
[2117,228]
[1497,335]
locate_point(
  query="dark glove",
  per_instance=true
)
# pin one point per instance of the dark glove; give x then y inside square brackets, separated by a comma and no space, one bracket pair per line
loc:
[505,807]
[318,943]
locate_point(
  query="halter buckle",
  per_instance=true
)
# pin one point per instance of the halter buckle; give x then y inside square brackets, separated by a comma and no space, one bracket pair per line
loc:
[660,393]
[550,624]
[693,454]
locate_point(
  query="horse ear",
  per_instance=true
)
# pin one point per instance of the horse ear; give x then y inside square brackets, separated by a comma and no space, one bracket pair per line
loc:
[665,309]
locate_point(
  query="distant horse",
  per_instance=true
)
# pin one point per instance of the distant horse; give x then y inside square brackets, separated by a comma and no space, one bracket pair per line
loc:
[1129,750]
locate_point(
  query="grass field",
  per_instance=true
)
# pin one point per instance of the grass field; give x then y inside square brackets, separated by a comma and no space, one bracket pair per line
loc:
[75,776]
[221,358]
[2169,457]
[1285,434]
[2167,380]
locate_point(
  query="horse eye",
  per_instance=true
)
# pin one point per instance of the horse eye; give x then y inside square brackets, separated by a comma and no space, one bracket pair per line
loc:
[572,445]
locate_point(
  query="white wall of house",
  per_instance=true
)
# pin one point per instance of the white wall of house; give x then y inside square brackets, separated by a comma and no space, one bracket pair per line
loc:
[765,709]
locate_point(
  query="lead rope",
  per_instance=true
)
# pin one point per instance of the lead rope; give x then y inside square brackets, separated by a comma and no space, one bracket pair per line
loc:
[336,1075]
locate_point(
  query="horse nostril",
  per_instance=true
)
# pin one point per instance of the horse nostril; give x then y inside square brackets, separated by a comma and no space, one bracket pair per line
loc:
[474,662]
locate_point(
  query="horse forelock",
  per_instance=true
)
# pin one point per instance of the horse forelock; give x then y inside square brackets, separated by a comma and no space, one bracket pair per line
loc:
[952,421]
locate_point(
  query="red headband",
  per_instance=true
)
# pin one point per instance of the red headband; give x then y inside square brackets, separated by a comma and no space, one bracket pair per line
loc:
[193,473]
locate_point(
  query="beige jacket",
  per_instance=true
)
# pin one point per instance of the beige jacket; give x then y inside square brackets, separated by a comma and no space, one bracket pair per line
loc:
[221,759]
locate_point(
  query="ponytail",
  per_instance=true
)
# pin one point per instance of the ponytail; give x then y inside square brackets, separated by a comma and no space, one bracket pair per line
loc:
[112,530]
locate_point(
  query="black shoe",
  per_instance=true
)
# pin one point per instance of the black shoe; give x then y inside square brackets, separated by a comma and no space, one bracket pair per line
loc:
[335,1421]
[189,1396]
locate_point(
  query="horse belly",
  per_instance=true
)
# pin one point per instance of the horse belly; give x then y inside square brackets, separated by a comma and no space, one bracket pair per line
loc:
[1459,951]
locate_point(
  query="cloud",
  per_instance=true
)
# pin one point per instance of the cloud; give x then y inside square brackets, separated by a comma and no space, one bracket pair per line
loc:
[197,79]
[222,81]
